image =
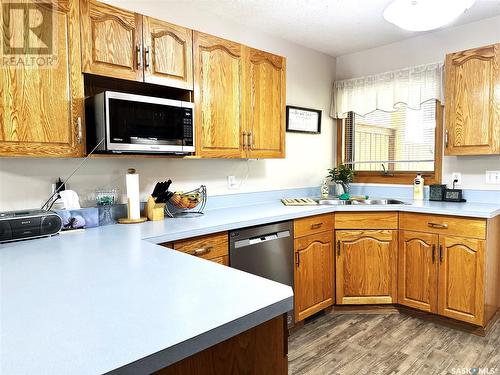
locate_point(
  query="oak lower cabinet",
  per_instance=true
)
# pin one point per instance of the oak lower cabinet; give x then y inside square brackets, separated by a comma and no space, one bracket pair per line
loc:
[442,274]
[366,266]
[418,270]
[461,273]
[472,120]
[451,269]
[313,271]
[41,99]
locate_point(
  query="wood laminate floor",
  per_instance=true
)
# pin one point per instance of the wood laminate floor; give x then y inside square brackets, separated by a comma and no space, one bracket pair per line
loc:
[388,344]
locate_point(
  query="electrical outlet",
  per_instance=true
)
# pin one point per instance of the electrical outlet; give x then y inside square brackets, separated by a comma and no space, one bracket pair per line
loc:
[493,177]
[231,182]
[456,176]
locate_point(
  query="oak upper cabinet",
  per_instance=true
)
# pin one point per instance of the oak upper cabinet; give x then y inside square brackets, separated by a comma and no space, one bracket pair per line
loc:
[313,274]
[418,270]
[473,102]
[168,54]
[461,279]
[314,270]
[218,69]
[112,41]
[265,104]
[41,107]
[366,266]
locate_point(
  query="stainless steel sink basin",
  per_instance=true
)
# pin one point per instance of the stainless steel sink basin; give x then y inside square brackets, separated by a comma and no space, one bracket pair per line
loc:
[338,202]
[377,201]
[332,202]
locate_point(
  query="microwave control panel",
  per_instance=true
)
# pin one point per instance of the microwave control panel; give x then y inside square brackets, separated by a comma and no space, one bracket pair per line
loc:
[188,126]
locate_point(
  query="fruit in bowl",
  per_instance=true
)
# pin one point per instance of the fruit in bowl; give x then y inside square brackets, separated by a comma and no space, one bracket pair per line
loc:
[185,200]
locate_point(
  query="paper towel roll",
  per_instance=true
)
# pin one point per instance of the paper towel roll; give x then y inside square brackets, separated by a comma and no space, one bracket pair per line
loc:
[132,183]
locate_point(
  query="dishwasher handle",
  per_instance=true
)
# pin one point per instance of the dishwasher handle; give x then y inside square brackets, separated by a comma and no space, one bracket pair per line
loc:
[262,239]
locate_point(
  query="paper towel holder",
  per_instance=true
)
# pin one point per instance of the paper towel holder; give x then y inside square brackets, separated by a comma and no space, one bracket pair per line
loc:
[128,220]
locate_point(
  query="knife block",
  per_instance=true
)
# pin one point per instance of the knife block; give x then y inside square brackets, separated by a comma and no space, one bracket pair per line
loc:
[154,211]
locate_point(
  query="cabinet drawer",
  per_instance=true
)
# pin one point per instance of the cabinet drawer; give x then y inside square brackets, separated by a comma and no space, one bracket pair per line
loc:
[221,260]
[207,247]
[366,220]
[312,224]
[442,224]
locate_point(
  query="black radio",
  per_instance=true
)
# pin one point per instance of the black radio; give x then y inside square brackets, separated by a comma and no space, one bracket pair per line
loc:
[22,225]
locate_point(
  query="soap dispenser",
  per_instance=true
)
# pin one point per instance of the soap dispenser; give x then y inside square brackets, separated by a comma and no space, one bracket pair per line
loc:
[325,189]
[418,188]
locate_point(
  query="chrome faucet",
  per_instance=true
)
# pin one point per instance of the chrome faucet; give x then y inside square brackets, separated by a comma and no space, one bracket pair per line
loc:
[386,172]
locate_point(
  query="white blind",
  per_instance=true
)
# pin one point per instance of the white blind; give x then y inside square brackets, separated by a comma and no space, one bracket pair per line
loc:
[403,140]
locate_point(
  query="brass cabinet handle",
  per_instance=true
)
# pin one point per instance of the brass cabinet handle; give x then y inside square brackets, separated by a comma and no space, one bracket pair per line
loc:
[338,248]
[297,260]
[437,225]
[146,57]
[316,225]
[446,138]
[433,253]
[79,134]
[244,140]
[441,253]
[139,56]
[202,251]
[250,140]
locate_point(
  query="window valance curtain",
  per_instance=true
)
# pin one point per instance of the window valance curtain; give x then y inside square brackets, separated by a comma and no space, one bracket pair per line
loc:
[411,86]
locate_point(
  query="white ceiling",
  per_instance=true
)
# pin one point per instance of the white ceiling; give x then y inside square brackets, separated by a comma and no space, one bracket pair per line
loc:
[335,27]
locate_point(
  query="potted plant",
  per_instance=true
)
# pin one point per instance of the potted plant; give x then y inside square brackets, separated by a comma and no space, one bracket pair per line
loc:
[343,175]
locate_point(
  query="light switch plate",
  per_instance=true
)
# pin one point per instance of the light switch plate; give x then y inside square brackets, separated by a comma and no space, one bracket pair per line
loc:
[493,177]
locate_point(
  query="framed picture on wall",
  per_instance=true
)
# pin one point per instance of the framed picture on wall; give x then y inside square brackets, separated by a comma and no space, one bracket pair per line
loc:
[303,120]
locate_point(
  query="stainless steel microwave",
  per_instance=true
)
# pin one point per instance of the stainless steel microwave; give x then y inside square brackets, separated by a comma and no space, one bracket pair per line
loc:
[128,123]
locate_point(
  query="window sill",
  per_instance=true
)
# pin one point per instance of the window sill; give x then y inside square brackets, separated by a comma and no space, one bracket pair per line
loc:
[397,178]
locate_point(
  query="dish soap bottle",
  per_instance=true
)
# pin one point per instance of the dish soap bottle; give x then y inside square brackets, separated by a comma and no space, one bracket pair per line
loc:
[325,189]
[418,188]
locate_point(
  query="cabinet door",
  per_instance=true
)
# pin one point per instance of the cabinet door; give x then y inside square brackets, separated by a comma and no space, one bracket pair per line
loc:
[313,274]
[168,54]
[41,106]
[112,40]
[461,279]
[217,93]
[265,104]
[366,266]
[417,273]
[473,102]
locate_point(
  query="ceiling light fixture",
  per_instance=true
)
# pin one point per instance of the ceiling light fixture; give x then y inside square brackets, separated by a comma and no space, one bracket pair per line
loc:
[423,15]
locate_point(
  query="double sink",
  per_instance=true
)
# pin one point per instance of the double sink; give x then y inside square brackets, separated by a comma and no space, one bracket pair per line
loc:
[334,202]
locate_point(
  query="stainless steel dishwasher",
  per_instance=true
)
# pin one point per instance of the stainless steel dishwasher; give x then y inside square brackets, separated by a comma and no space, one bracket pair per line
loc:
[266,251]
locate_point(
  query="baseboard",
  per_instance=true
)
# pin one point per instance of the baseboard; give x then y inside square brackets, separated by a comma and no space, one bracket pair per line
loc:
[399,309]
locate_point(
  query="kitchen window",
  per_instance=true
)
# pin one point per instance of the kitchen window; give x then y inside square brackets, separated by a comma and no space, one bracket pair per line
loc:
[391,147]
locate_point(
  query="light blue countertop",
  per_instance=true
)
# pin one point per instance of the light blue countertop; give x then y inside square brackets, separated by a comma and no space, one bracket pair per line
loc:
[92,302]
[273,211]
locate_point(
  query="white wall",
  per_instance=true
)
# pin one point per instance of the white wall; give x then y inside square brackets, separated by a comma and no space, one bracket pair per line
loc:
[426,48]
[25,183]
